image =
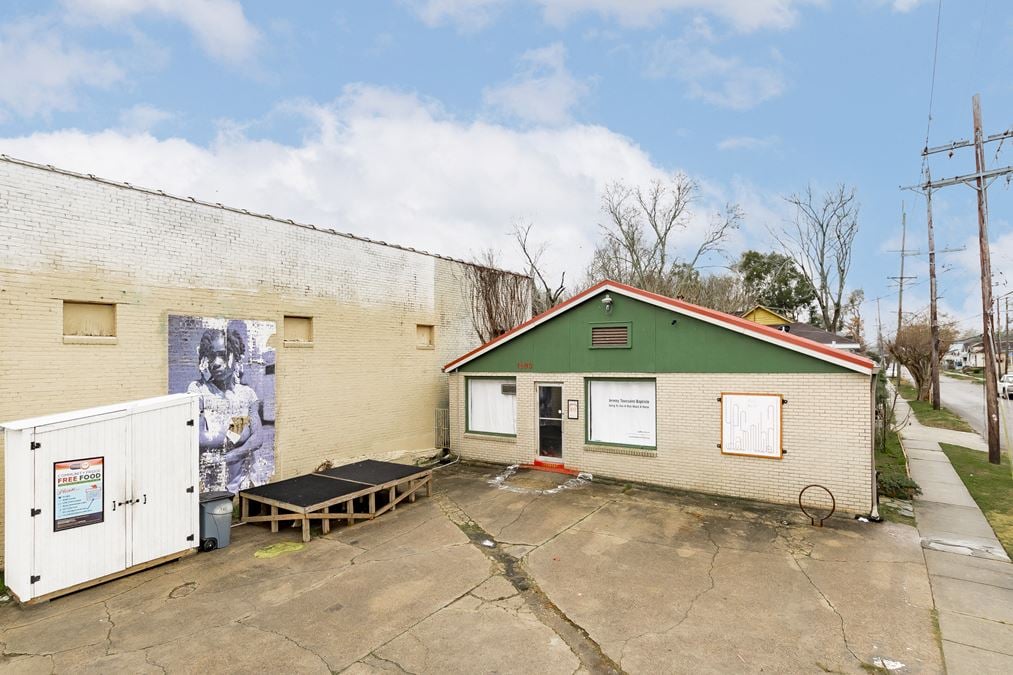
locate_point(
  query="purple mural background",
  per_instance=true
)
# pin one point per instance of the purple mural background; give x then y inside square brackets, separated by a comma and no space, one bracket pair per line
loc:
[230,364]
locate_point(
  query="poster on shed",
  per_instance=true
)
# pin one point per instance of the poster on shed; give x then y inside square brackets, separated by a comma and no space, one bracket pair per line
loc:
[78,490]
[230,364]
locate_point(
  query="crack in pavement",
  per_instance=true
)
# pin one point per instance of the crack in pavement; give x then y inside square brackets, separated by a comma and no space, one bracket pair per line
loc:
[109,633]
[588,652]
[692,602]
[519,514]
[393,663]
[287,638]
[152,662]
[840,617]
[434,612]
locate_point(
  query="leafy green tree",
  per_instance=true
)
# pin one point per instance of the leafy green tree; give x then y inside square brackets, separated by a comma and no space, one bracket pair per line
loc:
[774,280]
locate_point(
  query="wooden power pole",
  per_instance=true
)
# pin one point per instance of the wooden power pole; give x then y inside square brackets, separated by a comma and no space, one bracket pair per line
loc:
[991,386]
[933,309]
[980,180]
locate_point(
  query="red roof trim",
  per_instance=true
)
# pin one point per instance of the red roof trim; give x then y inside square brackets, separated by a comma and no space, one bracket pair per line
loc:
[719,317]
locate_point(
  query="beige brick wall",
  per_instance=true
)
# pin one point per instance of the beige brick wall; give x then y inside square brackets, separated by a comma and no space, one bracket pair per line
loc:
[826,430]
[362,389]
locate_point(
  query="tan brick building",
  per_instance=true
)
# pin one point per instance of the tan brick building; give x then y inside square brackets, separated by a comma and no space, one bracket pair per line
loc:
[636,386]
[344,336]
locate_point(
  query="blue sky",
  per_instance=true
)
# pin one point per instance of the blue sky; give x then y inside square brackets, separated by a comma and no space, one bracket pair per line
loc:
[440,123]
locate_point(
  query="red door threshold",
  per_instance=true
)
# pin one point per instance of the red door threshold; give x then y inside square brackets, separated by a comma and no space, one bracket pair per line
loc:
[550,466]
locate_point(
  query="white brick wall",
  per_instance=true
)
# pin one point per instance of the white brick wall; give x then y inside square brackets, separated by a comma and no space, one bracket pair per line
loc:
[363,389]
[826,429]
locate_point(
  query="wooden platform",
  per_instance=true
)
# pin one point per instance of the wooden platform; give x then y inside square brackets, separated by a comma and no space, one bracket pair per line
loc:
[332,494]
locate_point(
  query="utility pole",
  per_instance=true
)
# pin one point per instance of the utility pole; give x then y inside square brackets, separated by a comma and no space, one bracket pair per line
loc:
[900,281]
[879,330]
[980,180]
[991,386]
[933,310]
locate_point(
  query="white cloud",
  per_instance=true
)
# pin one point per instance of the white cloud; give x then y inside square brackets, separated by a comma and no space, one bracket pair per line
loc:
[724,81]
[747,143]
[142,117]
[744,15]
[42,73]
[904,6]
[467,15]
[220,26]
[543,92]
[387,165]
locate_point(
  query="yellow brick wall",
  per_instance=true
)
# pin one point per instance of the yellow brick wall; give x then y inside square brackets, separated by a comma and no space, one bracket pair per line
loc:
[363,389]
[826,429]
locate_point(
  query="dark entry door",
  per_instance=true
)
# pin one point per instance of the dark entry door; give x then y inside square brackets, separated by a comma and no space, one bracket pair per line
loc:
[550,421]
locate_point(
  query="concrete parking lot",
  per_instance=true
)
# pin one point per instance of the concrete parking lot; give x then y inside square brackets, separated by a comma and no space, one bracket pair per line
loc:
[527,572]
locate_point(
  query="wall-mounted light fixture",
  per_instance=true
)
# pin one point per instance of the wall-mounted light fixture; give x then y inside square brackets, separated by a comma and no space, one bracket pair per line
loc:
[606,302]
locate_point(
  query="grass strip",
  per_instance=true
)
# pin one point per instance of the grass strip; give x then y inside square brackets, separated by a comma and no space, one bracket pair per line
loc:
[927,415]
[990,485]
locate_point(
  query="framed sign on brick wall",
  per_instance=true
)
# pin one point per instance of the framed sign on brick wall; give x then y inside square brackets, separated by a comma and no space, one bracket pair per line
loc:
[751,425]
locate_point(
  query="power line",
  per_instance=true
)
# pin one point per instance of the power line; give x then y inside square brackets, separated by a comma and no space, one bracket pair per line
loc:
[932,85]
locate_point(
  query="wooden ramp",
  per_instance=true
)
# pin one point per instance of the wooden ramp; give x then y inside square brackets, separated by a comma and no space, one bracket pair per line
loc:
[334,493]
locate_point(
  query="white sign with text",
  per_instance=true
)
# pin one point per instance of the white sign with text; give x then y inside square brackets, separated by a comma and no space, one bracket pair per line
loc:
[622,412]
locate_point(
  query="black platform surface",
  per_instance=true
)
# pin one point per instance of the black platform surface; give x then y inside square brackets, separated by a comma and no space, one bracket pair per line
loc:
[305,490]
[372,472]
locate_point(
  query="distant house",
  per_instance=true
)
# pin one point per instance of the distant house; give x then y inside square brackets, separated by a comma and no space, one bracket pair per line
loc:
[766,316]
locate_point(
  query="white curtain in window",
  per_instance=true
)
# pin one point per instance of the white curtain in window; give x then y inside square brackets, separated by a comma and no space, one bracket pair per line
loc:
[489,409]
[622,411]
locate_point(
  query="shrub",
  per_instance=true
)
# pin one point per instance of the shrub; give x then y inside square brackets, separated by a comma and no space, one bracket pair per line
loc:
[897,486]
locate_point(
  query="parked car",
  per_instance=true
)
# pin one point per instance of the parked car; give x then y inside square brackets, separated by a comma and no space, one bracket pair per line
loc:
[1006,386]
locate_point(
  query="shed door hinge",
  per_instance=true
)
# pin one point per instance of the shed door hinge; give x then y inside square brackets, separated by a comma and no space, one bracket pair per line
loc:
[190,538]
[189,423]
[34,578]
[36,512]
[190,490]
[35,445]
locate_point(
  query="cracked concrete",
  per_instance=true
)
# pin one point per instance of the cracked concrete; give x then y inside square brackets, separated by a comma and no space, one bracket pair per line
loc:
[585,580]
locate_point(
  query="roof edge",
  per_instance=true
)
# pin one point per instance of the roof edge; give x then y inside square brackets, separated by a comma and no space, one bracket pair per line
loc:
[802,345]
[266,216]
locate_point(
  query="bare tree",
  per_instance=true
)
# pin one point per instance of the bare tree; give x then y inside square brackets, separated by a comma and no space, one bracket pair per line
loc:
[853,321]
[912,348]
[637,246]
[545,296]
[819,239]
[499,299]
[723,292]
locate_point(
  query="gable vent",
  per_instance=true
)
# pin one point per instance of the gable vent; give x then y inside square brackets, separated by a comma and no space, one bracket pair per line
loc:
[610,336]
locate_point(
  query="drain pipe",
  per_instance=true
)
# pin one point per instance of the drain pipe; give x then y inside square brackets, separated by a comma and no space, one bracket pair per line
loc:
[874,513]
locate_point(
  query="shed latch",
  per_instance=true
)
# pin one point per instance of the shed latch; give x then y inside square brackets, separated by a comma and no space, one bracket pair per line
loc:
[190,538]
[190,490]
[36,512]
[35,445]
[189,423]
[34,578]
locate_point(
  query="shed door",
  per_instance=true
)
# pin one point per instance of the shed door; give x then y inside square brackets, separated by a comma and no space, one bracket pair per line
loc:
[164,466]
[80,486]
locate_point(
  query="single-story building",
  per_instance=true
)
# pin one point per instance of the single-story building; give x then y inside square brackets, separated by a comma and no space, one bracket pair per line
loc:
[637,386]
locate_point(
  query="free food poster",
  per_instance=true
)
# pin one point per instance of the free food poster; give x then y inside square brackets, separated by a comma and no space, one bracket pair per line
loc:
[78,486]
[229,363]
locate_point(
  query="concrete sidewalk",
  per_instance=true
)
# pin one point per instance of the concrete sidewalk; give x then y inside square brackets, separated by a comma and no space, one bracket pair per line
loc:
[970,574]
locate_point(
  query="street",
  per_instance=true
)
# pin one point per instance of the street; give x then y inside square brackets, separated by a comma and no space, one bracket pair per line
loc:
[967,399]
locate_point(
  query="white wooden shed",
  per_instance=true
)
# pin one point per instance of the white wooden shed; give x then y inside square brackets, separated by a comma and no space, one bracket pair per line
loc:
[95,494]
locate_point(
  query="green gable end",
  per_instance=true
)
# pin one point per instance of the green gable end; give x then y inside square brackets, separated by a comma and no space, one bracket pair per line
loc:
[656,345]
